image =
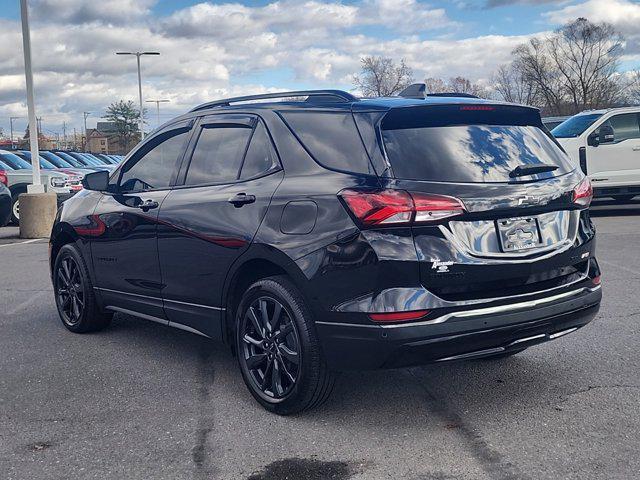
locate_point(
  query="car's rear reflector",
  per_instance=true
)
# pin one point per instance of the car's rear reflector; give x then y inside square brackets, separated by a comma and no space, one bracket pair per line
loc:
[398,316]
[583,193]
[3,178]
[596,280]
[399,207]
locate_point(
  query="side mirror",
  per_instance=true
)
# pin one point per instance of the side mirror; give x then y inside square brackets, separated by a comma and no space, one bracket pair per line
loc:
[593,140]
[98,181]
[606,134]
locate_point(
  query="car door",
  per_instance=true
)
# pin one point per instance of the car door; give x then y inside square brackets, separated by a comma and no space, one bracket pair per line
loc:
[228,177]
[616,162]
[124,247]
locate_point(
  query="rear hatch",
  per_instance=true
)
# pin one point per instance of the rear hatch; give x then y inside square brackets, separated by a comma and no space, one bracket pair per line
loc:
[517,226]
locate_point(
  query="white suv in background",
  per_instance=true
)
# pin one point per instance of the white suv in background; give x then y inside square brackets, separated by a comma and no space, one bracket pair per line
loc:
[606,144]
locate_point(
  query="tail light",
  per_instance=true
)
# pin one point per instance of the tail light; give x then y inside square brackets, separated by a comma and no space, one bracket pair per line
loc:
[3,178]
[583,193]
[399,207]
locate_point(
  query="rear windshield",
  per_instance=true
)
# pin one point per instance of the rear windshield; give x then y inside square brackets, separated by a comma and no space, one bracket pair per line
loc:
[575,126]
[470,153]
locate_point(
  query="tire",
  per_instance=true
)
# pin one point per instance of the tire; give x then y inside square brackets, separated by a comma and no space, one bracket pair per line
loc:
[74,295]
[15,206]
[623,198]
[269,345]
[500,356]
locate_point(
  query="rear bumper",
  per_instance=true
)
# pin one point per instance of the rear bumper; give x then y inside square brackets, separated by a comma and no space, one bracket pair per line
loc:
[469,333]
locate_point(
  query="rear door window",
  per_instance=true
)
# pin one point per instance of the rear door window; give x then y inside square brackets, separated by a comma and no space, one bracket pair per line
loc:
[217,156]
[484,151]
[261,157]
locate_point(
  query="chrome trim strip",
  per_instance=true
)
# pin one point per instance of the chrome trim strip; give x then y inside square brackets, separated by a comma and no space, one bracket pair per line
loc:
[478,353]
[133,313]
[151,318]
[528,339]
[562,333]
[478,311]
[126,293]
[497,309]
[194,304]
[159,298]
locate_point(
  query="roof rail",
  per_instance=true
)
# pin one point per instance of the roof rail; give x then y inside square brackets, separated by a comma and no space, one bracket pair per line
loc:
[320,95]
[419,90]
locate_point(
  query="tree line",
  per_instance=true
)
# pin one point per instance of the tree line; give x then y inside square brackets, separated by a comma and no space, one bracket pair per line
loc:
[574,68]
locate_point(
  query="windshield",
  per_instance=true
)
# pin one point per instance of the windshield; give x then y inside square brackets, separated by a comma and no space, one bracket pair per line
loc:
[15,161]
[575,126]
[70,159]
[57,161]
[46,164]
[90,161]
[472,153]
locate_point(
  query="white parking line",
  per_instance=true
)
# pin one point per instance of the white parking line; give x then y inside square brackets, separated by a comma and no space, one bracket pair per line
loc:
[22,243]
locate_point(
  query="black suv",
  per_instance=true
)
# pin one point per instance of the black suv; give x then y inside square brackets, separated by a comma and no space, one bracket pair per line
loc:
[324,232]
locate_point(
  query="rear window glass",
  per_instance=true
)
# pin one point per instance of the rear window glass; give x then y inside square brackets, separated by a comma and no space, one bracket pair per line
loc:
[475,153]
[332,139]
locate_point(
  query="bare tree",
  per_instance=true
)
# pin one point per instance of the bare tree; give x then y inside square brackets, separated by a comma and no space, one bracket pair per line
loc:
[381,77]
[509,83]
[435,85]
[587,56]
[573,69]
[455,85]
[633,88]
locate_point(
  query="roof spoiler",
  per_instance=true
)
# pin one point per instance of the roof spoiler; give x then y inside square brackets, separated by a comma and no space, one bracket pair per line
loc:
[319,96]
[419,90]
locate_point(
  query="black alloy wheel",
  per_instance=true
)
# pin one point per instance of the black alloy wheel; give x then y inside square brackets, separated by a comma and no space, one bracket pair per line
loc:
[70,291]
[278,348]
[271,348]
[74,295]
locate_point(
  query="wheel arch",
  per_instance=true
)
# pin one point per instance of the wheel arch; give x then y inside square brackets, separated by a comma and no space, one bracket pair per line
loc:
[61,234]
[260,262]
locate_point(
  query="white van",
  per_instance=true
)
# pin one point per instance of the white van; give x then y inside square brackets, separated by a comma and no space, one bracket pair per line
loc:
[606,144]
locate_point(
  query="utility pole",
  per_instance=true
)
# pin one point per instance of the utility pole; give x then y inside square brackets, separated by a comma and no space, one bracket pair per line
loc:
[158,102]
[36,186]
[85,140]
[138,55]
[75,139]
[11,119]
[64,135]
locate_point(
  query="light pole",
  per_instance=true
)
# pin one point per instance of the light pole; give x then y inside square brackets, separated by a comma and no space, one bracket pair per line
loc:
[11,119]
[85,139]
[36,186]
[158,102]
[138,55]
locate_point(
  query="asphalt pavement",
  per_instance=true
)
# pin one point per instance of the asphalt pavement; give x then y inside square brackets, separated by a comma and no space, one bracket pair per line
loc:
[143,401]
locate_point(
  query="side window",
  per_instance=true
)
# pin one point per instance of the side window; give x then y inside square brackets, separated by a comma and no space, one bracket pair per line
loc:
[261,157]
[332,139]
[154,165]
[624,126]
[218,154]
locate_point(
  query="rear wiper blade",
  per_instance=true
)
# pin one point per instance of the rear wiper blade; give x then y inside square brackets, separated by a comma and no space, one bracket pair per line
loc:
[521,171]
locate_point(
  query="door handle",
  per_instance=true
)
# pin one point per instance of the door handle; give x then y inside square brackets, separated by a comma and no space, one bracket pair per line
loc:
[148,205]
[241,199]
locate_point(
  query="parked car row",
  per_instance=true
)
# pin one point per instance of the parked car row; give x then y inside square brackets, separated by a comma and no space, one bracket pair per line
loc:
[61,172]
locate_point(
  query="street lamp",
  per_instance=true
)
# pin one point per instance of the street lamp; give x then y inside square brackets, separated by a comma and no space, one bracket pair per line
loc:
[158,102]
[36,186]
[138,55]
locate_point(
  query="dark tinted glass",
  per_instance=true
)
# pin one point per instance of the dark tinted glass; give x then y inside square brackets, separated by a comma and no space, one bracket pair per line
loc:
[574,126]
[15,161]
[260,156]
[332,139]
[218,154]
[625,126]
[155,164]
[471,153]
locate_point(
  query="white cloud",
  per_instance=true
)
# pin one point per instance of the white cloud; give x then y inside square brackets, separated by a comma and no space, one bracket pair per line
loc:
[81,11]
[624,15]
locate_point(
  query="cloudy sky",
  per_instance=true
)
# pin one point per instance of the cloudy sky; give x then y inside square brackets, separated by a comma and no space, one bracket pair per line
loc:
[215,49]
